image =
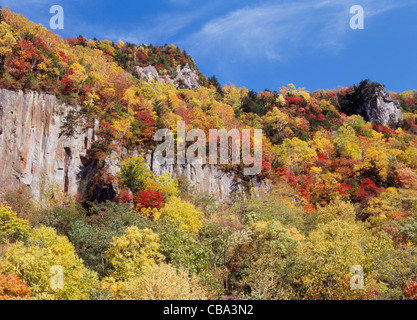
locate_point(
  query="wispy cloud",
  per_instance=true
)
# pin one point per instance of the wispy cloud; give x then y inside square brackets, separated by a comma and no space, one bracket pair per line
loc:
[23,3]
[274,31]
[268,30]
[151,29]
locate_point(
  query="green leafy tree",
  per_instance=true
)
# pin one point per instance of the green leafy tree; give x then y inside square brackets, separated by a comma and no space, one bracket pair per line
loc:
[134,174]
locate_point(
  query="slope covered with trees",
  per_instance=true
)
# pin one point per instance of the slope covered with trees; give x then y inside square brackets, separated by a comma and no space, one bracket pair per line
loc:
[344,190]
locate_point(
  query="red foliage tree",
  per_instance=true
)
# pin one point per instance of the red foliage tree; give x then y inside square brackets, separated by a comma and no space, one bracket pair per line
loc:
[367,189]
[126,196]
[294,101]
[410,290]
[292,179]
[266,164]
[11,286]
[151,198]
[281,173]
[344,189]
[146,125]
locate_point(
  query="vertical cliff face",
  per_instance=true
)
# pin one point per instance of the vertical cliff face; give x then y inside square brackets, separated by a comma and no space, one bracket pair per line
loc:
[31,147]
[207,178]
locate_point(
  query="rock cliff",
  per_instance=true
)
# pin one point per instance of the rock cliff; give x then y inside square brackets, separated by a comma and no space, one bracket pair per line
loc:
[208,178]
[33,149]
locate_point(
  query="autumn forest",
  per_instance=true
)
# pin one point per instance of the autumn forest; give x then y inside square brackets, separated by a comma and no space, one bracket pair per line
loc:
[341,188]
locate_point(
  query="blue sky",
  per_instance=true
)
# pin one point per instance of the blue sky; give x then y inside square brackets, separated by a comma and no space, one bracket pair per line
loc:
[258,44]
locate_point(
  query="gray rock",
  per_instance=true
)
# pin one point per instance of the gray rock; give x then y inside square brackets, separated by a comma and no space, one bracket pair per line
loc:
[383,109]
[184,77]
[207,178]
[149,73]
[31,146]
[376,106]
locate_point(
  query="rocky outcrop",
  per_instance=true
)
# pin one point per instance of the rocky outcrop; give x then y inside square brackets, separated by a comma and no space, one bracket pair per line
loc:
[32,150]
[373,103]
[185,77]
[382,109]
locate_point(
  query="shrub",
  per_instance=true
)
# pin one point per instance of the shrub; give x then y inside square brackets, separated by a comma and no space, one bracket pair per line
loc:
[410,290]
[91,244]
[167,185]
[152,214]
[134,174]
[181,249]
[61,219]
[92,235]
[151,199]
[164,282]
[11,227]
[21,202]
[11,287]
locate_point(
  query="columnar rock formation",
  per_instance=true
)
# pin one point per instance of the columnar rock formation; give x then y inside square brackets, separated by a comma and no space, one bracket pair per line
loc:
[33,149]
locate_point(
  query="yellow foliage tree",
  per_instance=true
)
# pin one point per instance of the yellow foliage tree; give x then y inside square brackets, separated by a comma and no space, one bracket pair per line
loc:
[331,251]
[133,252]
[183,213]
[164,282]
[7,39]
[296,153]
[32,262]
[322,144]
[376,156]
[346,143]
[12,228]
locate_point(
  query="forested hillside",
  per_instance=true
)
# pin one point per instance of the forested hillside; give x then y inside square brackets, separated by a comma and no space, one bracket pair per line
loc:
[343,185]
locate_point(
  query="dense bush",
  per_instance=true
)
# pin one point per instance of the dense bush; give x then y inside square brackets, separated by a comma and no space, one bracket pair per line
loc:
[12,228]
